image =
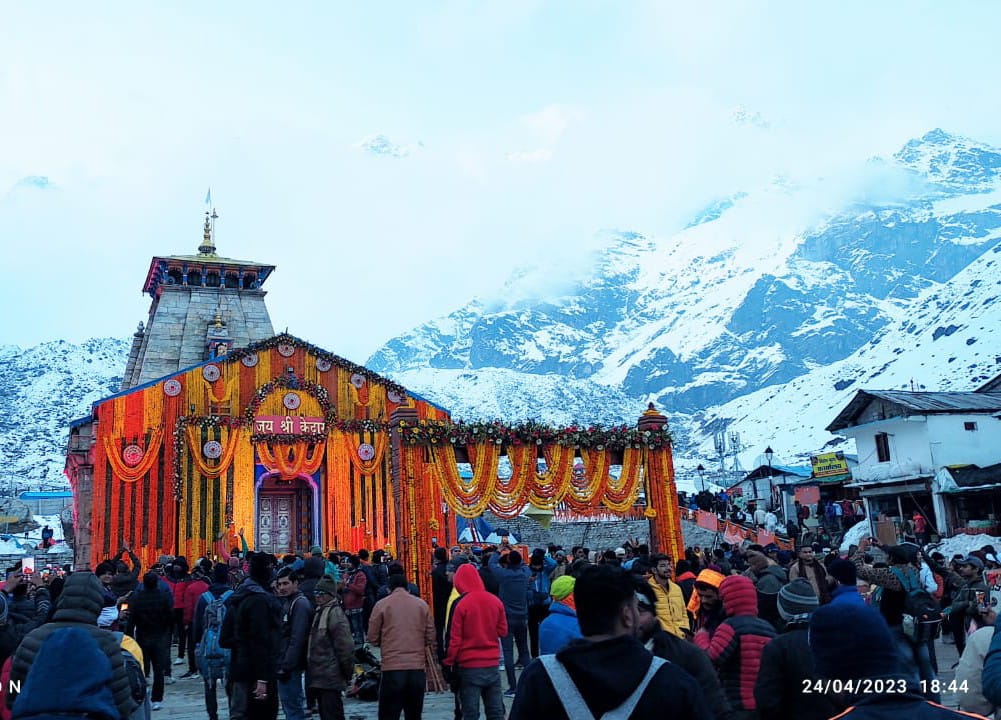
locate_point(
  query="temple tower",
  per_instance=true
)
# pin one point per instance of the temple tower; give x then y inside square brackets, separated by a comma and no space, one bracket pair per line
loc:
[203,306]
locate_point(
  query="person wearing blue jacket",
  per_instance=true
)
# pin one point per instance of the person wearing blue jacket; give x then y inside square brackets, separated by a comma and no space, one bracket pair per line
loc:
[846,590]
[991,677]
[561,626]
[513,578]
[541,567]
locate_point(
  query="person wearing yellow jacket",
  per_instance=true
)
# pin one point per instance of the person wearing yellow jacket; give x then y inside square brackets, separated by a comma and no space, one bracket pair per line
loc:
[671,609]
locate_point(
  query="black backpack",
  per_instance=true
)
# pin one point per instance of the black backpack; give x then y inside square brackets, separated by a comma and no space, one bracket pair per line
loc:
[922,615]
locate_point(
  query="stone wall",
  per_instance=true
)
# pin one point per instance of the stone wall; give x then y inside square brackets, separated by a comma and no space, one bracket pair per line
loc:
[596,535]
[174,337]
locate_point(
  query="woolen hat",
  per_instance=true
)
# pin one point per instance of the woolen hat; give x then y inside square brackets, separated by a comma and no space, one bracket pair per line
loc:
[851,641]
[562,586]
[797,600]
[316,550]
[326,585]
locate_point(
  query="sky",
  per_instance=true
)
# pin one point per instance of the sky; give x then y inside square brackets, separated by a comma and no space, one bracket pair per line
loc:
[395,160]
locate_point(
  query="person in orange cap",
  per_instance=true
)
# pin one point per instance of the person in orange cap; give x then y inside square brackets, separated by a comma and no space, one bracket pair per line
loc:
[705,604]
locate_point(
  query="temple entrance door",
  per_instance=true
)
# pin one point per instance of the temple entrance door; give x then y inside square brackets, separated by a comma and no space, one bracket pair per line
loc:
[284,516]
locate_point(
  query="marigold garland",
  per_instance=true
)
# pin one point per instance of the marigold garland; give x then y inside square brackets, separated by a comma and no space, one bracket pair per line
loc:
[229,439]
[552,486]
[621,494]
[292,461]
[227,388]
[590,490]
[470,500]
[347,444]
[113,452]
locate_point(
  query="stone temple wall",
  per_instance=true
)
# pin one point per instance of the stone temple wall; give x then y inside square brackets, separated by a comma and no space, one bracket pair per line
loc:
[174,337]
[596,535]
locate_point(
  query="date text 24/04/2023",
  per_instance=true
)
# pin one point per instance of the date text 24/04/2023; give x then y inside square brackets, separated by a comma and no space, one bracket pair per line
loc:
[879,686]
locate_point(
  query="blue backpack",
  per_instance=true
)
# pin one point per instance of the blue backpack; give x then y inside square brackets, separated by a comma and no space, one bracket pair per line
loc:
[213,659]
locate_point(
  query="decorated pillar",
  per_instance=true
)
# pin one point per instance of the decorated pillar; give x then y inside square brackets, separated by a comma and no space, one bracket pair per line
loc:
[402,475]
[661,491]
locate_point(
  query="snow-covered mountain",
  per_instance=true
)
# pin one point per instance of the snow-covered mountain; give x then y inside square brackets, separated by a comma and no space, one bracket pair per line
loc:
[791,282]
[762,316]
[44,388]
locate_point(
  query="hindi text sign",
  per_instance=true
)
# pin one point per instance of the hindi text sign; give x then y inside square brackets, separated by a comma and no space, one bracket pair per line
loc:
[288,425]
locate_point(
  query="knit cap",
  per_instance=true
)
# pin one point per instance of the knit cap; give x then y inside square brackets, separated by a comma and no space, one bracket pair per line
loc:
[326,585]
[562,586]
[851,641]
[797,600]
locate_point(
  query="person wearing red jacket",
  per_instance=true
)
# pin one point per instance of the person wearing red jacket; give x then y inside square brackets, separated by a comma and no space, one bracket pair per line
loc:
[736,646]
[476,624]
[195,589]
[353,598]
[177,571]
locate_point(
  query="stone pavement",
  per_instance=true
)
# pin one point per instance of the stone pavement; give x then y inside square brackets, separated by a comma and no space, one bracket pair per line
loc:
[184,699]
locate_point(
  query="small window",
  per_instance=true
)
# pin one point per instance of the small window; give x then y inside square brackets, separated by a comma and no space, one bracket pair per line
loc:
[971,426]
[882,447]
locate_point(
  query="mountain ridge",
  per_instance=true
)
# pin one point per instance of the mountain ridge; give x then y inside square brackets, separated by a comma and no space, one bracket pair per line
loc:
[761,315]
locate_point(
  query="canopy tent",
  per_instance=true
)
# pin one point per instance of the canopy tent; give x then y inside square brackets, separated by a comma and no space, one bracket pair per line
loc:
[479,530]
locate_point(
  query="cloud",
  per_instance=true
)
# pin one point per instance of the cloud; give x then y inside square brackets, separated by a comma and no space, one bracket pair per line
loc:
[382,145]
[743,116]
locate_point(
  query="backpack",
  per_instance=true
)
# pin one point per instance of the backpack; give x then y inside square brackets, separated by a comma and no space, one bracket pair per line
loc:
[922,614]
[213,658]
[573,702]
[138,685]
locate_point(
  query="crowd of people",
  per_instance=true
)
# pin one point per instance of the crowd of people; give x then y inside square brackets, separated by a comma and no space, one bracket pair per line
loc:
[735,633]
[829,518]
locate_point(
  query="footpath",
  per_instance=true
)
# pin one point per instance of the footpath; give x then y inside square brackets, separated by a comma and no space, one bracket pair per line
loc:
[184,700]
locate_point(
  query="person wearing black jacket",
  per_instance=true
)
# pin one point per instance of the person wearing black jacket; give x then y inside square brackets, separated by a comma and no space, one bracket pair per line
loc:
[297,617]
[787,663]
[79,607]
[441,589]
[252,630]
[150,617]
[125,580]
[681,652]
[13,630]
[609,663]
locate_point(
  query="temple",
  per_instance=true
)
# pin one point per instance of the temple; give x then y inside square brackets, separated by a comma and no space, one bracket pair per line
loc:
[223,426]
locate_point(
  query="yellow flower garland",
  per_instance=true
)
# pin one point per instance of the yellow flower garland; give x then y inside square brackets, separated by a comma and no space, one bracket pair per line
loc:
[347,444]
[552,486]
[471,501]
[112,449]
[620,495]
[229,445]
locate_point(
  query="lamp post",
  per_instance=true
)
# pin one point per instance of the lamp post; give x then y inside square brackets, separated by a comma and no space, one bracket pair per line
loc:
[771,490]
[702,476]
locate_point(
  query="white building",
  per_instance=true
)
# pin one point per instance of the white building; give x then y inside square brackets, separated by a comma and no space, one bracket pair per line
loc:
[906,439]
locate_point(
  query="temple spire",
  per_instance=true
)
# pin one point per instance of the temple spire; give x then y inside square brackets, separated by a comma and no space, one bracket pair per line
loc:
[208,232]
